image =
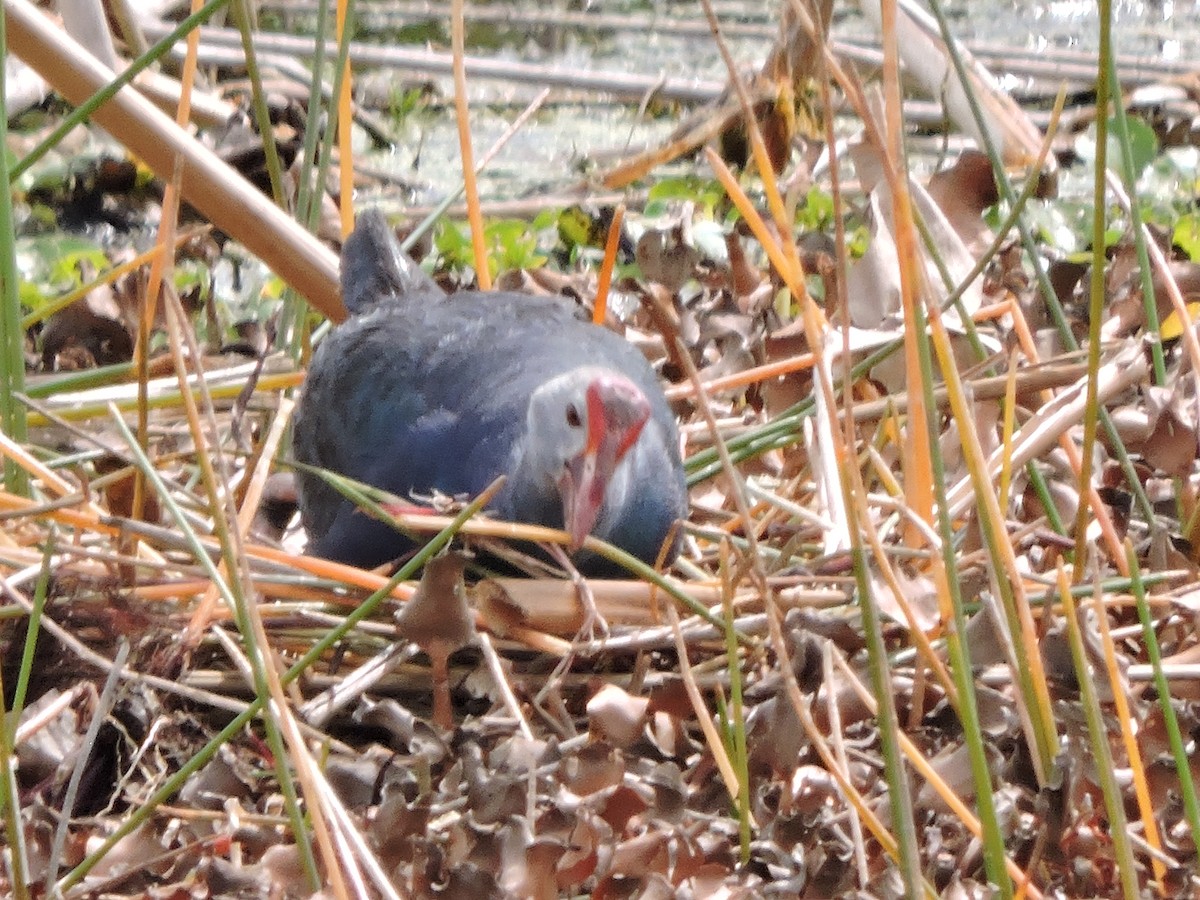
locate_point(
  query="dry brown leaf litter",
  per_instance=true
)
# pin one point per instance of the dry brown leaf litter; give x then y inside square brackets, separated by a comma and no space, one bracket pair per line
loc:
[594,777]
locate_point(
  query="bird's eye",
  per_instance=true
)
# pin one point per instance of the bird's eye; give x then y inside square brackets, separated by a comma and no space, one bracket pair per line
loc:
[573,418]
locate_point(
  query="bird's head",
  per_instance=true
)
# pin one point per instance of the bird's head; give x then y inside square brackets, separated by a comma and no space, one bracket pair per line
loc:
[584,423]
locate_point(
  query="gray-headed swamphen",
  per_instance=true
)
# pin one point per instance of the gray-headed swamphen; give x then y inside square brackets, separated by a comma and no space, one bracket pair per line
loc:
[419,392]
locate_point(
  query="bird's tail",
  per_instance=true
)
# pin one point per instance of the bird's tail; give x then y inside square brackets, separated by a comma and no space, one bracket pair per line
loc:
[374,268]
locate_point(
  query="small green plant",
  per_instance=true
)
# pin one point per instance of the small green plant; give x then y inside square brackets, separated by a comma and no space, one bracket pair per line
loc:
[706,193]
[1166,184]
[1186,235]
[49,265]
[817,211]
[453,244]
[511,244]
[404,100]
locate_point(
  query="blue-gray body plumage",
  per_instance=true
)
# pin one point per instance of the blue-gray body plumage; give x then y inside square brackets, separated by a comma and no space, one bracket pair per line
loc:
[419,392]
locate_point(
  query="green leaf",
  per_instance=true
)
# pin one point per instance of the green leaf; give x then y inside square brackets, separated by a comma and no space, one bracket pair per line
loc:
[1055,227]
[575,228]
[1186,235]
[49,263]
[453,245]
[816,213]
[512,246]
[1143,146]
[705,193]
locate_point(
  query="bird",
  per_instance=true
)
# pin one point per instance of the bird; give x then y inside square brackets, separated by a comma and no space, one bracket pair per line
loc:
[421,393]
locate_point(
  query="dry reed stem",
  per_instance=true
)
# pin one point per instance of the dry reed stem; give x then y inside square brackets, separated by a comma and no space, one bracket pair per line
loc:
[712,738]
[345,114]
[794,272]
[611,244]
[483,275]
[257,481]
[1119,689]
[1099,508]
[799,363]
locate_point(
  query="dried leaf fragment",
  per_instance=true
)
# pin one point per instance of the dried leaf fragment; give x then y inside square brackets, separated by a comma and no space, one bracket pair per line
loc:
[617,715]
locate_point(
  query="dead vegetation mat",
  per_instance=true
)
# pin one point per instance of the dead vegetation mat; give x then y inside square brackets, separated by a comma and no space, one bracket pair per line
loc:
[583,766]
[206,712]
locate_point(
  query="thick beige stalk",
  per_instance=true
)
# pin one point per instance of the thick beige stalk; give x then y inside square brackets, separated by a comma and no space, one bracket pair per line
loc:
[211,186]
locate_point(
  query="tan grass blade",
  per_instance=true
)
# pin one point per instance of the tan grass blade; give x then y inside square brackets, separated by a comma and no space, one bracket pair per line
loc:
[462,111]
